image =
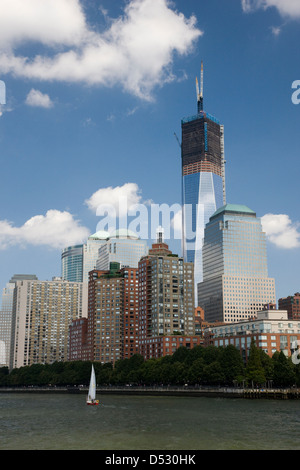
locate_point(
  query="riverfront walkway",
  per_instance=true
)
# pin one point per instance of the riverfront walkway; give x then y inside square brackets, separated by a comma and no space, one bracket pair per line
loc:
[224,392]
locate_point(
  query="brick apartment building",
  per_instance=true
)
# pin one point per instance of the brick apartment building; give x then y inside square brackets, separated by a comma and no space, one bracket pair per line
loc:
[166,303]
[111,330]
[292,305]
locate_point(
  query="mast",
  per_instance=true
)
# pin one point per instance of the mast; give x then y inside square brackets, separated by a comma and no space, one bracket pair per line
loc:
[200,93]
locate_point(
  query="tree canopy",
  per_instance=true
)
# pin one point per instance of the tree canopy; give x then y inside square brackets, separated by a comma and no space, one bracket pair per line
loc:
[210,366]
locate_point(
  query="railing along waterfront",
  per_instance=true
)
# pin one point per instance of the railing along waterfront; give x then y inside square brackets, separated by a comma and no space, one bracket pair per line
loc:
[166,390]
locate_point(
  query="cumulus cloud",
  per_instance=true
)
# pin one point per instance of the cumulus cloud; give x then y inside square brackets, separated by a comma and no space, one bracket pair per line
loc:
[276,30]
[121,198]
[50,22]
[281,231]
[38,99]
[136,50]
[287,8]
[55,229]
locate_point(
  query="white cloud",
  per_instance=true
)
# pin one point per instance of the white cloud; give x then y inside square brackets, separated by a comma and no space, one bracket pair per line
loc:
[281,231]
[276,30]
[119,197]
[135,52]
[51,22]
[38,99]
[55,229]
[289,8]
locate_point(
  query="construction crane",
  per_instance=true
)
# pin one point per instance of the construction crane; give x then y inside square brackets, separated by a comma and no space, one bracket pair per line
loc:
[177,139]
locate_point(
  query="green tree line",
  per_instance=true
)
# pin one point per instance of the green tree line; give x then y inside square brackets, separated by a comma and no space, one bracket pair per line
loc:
[210,366]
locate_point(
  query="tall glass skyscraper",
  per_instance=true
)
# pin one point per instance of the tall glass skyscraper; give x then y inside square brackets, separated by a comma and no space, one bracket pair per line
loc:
[72,263]
[235,274]
[203,179]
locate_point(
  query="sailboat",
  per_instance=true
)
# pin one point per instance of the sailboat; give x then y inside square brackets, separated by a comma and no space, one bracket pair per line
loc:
[91,398]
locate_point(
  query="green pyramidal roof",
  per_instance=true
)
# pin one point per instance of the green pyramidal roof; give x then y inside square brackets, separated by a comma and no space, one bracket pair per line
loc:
[234,209]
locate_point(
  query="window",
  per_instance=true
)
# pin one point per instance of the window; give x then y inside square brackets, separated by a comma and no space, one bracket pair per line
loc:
[283,342]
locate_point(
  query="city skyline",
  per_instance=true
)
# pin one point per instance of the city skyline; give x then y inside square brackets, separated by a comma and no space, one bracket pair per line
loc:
[71,141]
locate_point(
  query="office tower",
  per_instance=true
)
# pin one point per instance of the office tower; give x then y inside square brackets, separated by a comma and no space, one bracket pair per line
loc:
[203,179]
[166,302]
[235,274]
[90,252]
[42,313]
[72,263]
[112,327]
[292,305]
[6,316]
[124,247]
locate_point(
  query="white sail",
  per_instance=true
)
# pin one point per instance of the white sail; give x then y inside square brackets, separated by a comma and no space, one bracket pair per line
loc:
[92,387]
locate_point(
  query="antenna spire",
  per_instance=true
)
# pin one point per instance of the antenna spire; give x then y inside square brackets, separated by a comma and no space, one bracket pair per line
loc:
[200,94]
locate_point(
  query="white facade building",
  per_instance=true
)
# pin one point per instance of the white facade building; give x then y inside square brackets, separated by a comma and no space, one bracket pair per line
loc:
[91,252]
[42,314]
[6,316]
[124,247]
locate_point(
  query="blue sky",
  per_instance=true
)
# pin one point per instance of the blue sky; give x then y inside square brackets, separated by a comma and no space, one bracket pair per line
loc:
[95,91]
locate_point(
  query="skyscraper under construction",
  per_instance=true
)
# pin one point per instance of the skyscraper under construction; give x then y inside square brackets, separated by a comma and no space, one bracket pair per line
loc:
[203,178]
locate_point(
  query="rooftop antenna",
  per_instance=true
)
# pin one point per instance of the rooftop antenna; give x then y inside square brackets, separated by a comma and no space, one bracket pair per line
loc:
[200,92]
[159,235]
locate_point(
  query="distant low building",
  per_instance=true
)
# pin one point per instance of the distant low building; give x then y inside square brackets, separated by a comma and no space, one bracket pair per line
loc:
[160,346]
[201,325]
[271,330]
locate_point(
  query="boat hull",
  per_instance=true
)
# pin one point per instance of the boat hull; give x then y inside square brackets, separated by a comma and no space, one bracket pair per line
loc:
[92,403]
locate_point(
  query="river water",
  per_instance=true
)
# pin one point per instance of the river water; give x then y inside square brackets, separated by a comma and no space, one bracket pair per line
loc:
[64,422]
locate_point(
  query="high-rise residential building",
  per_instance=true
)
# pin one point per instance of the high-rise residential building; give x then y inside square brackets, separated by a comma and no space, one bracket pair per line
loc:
[78,349]
[91,252]
[292,305]
[6,316]
[203,179]
[166,302]
[235,273]
[72,263]
[123,246]
[42,313]
[112,326]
